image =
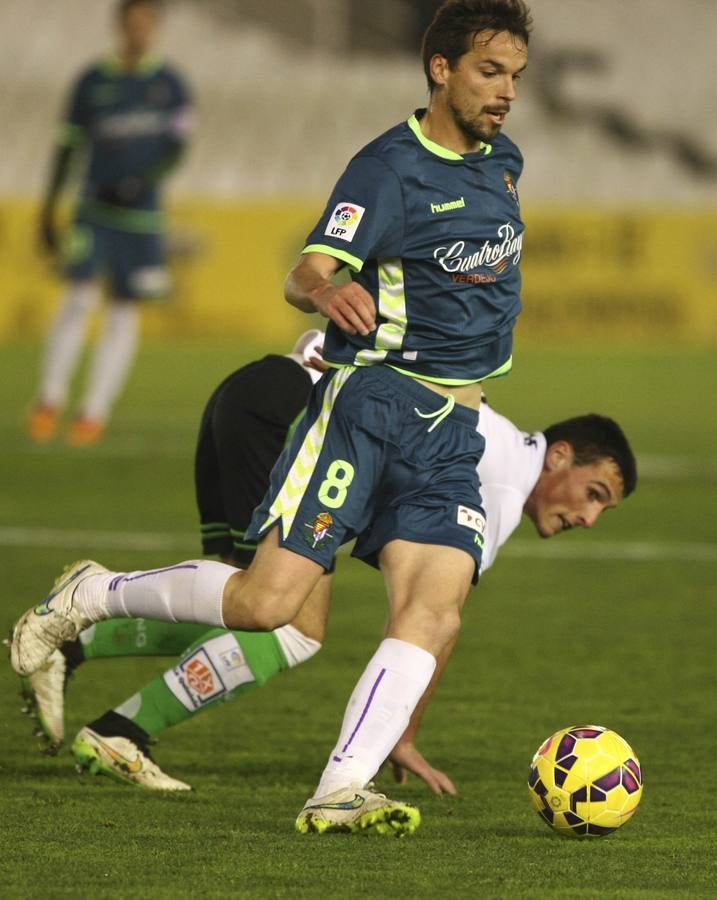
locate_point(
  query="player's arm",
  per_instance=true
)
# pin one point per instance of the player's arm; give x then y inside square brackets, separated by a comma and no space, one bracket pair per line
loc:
[70,141]
[309,287]
[405,757]
[363,220]
[59,170]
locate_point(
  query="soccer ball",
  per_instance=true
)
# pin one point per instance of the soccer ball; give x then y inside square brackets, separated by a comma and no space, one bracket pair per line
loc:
[585,781]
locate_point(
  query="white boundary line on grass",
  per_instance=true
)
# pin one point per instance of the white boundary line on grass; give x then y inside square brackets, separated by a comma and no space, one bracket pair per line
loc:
[655,467]
[631,551]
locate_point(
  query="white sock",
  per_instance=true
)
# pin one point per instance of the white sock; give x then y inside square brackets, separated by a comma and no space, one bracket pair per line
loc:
[190,591]
[377,713]
[64,342]
[296,646]
[113,357]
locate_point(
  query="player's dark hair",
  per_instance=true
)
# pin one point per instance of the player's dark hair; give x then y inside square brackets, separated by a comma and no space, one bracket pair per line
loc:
[456,23]
[593,438]
[124,6]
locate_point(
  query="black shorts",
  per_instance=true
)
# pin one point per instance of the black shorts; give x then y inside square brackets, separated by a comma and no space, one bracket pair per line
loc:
[242,433]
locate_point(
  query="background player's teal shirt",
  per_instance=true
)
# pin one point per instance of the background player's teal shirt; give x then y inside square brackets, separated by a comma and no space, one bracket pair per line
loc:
[436,239]
[130,121]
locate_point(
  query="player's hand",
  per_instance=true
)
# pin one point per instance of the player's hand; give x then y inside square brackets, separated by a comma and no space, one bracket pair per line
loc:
[316,360]
[349,306]
[47,232]
[406,758]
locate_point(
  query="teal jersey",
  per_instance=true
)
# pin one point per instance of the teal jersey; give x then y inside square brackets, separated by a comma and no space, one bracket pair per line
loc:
[436,238]
[129,122]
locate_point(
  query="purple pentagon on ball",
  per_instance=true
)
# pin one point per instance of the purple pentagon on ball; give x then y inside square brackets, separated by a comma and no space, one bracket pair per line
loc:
[635,769]
[629,782]
[547,814]
[599,830]
[578,796]
[565,747]
[540,788]
[586,732]
[609,781]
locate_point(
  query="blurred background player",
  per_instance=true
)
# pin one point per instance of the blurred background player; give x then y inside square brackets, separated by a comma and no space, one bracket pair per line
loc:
[560,479]
[129,115]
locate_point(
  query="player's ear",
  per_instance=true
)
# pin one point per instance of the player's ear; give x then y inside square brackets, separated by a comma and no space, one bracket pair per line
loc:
[439,69]
[559,456]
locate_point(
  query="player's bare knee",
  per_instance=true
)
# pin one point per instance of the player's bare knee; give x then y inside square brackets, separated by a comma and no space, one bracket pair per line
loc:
[425,624]
[249,607]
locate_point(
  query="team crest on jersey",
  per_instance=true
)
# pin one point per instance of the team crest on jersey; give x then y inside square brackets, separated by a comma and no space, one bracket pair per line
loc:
[317,531]
[344,221]
[471,518]
[510,187]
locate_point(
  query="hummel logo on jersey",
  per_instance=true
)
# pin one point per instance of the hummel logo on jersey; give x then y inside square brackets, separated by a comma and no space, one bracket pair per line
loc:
[357,802]
[446,207]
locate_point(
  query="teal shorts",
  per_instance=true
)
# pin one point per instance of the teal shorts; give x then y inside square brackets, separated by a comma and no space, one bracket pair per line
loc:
[377,457]
[134,264]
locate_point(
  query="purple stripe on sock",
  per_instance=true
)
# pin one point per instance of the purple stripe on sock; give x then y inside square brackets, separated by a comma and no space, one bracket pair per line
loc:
[365,709]
[115,583]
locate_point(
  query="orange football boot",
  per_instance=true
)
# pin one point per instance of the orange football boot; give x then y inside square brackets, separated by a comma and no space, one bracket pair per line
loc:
[42,423]
[84,432]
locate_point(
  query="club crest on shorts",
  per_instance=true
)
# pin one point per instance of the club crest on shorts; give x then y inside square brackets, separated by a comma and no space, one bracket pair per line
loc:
[471,518]
[318,530]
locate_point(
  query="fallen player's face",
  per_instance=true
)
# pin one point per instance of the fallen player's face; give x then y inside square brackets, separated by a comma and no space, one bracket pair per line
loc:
[482,86]
[572,496]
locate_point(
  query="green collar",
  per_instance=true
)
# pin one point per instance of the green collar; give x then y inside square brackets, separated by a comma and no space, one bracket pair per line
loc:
[435,148]
[148,65]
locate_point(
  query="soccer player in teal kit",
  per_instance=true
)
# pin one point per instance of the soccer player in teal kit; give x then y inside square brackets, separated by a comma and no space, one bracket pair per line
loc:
[129,115]
[426,217]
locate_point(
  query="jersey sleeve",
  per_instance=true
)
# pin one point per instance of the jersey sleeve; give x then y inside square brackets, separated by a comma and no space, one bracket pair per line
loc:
[181,121]
[76,118]
[364,216]
[503,509]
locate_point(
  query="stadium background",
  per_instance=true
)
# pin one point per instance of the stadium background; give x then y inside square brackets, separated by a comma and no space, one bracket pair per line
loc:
[618,191]
[616,122]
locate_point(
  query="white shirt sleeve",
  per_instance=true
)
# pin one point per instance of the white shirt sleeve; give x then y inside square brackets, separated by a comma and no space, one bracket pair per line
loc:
[509,469]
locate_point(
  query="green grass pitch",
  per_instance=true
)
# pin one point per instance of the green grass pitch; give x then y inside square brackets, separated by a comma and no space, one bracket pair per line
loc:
[616,627]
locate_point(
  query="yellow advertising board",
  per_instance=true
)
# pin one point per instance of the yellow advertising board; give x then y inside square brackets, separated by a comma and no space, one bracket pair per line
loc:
[586,273]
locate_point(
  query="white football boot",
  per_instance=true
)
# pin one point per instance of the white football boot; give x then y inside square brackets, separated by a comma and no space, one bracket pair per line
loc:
[45,627]
[121,759]
[44,696]
[355,811]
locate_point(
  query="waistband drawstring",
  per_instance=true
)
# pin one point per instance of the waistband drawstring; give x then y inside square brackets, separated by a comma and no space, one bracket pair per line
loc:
[440,414]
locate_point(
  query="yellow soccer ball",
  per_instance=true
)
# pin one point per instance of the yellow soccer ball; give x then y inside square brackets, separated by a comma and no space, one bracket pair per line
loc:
[585,781]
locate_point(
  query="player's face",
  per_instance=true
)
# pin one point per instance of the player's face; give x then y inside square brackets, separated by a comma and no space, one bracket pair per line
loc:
[482,86]
[568,495]
[138,29]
